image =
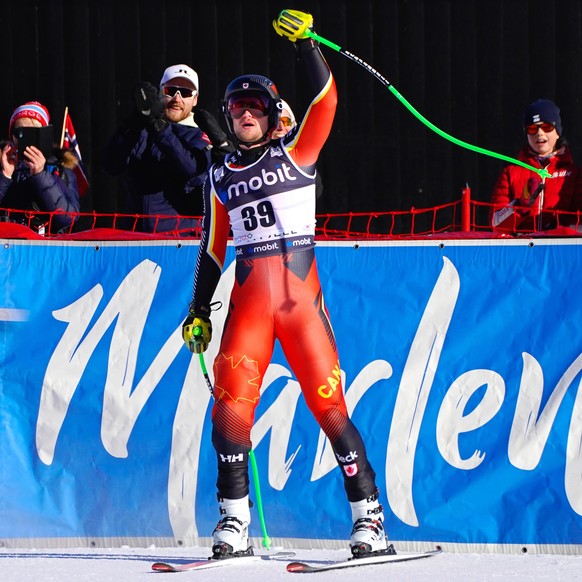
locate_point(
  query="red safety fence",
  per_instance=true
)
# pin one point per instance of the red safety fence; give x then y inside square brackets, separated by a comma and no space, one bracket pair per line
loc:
[463,218]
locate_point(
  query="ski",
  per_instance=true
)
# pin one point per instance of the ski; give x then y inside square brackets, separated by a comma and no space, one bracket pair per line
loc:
[204,564]
[303,567]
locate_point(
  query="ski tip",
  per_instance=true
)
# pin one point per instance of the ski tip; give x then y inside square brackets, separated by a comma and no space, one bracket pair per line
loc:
[162,567]
[296,567]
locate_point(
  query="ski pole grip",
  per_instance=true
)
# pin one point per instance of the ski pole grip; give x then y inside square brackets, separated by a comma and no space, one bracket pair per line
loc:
[293,24]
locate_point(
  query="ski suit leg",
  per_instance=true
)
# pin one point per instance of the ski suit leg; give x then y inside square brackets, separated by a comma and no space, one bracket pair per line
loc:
[304,330]
[244,355]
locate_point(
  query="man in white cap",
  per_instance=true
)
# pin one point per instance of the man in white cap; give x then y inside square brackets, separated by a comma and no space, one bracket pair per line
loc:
[179,87]
[162,153]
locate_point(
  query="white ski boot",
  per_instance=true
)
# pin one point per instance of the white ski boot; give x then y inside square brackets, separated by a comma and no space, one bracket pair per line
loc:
[368,535]
[231,535]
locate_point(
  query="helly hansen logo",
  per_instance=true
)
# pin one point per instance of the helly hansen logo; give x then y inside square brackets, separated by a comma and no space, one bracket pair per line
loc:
[231,458]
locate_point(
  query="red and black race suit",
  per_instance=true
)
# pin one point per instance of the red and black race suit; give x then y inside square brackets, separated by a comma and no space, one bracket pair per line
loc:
[269,204]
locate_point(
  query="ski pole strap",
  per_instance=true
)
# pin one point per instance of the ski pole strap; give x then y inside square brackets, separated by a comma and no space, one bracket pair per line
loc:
[543,173]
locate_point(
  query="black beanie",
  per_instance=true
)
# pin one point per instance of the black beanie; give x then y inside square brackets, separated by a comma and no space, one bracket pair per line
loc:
[543,110]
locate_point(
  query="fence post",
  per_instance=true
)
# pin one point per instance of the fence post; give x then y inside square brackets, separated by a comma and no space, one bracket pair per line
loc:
[466,209]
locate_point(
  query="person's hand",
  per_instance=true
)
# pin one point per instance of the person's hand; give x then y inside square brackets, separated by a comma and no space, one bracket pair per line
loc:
[528,202]
[34,159]
[197,332]
[293,24]
[209,125]
[147,101]
[9,159]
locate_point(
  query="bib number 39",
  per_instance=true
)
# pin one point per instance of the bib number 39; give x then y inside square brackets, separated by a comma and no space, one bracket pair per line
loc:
[261,215]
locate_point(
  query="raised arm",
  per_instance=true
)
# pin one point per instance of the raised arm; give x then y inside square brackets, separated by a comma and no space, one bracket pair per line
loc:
[317,122]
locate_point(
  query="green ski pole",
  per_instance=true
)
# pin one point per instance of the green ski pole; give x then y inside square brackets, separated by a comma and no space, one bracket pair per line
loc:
[296,27]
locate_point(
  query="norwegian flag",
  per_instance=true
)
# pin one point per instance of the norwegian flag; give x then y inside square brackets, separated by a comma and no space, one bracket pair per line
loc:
[69,141]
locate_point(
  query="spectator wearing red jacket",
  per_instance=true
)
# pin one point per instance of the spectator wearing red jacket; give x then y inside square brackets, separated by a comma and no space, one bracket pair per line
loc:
[525,202]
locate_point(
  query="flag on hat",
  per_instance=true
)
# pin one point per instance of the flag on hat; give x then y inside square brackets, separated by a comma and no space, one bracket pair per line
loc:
[69,141]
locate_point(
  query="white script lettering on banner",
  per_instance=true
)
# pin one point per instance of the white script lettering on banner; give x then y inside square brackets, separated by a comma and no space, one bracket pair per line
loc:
[128,311]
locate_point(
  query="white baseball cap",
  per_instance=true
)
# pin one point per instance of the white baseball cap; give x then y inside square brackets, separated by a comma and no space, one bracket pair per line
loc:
[182,71]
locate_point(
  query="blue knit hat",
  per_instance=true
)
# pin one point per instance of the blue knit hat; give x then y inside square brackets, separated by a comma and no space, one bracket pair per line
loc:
[543,110]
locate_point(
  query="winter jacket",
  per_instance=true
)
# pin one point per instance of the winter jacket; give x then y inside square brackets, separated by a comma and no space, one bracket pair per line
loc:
[164,172]
[520,188]
[53,189]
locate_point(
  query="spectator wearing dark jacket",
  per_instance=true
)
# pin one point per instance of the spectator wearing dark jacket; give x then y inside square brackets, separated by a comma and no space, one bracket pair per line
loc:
[162,154]
[36,179]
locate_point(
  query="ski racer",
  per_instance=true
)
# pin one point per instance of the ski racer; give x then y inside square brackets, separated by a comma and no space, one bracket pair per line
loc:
[265,193]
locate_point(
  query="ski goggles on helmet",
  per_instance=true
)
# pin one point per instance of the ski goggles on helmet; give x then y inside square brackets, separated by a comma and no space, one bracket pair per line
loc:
[545,127]
[256,105]
[185,92]
[286,121]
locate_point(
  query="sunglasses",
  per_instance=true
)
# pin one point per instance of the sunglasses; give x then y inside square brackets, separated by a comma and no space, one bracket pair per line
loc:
[286,121]
[185,92]
[545,127]
[255,105]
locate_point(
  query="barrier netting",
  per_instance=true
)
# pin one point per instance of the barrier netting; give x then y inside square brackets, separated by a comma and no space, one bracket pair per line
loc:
[464,218]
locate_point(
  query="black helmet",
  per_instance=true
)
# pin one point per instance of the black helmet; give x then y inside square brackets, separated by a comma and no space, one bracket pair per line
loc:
[254,84]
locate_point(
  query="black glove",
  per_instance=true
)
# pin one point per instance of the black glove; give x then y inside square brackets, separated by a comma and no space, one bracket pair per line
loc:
[147,107]
[148,104]
[208,124]
[221,145]
[147,101]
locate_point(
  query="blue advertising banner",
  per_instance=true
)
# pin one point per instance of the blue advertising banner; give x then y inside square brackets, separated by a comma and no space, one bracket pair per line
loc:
[460,362]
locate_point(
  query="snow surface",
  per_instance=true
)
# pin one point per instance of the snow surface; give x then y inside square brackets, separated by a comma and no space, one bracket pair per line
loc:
[134,565]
